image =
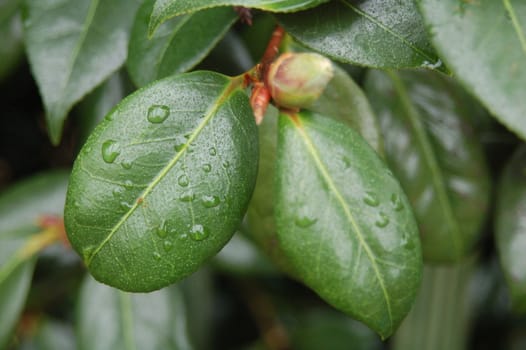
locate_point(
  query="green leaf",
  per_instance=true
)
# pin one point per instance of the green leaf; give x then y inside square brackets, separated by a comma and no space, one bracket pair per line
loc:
[345,101]
[510,227]
[164,181]
[177,46]
[344,222]
[73,46]
[20,208]
[109,319]
[435,152]
[488,53]
[12,48]
[374,33]
[166,9]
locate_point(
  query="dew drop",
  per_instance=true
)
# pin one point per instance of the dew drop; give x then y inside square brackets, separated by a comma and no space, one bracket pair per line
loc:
[210,201]
[212,151]
[126,205]
[117,191]
[226,164]
[126,164]
[187,196]
[346,162]
[198,233]
[161,230]
[110,151]
[156,255]
[128,183]
[382,220]
[179,146]
[396,202]
[305,221]
[183,180]
[207,168]
[167,245]
[371,199]
[158,114]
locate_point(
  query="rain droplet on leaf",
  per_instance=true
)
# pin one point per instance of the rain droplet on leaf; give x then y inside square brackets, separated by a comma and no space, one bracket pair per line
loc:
[210,201]
[371,199]
[198,232]
[110,151]
[158,113]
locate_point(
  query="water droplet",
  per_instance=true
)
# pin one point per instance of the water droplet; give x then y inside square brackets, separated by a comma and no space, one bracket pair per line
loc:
[110,151]
[207,168]
[183,236]
[167,245]
[346,162]
[161,230]
[126,164]
[187,196]
[117,191]
[382,220]
[158,113]
[212,151]
[396,202]
[210,201]
[156,255]
[371,199]
[226,164]
[305,221]
[183,180]
[128,183]
[198,232]
[126,205]
[179,146]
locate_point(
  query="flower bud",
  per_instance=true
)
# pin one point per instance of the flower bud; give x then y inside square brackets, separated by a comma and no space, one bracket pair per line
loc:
[296,80]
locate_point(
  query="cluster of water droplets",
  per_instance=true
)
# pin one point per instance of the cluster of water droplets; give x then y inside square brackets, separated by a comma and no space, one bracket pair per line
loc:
[372,200]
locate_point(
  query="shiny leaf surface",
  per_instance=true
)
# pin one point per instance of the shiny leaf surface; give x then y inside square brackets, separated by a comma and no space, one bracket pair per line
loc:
[164,181]
[436,154]
[20,208]
[488,53]
[178,45]
[344,222]
[166,9]
[510,227]
[109,319]
[375,33]
[73,46]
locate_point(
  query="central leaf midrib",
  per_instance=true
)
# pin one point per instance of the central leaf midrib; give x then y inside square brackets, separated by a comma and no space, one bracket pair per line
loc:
[516,24]
[388,30]
[326,176]
[208,117]
[437,177]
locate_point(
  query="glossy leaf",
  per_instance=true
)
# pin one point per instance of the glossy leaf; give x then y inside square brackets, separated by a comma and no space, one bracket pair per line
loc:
[178,45]
[12,48]
[488,53]
[166,9]
[344,222]
[164,181]
[374,33]
[435,152]
[73,46]
[109,319]
[20,208]
[345,101]
[510,227]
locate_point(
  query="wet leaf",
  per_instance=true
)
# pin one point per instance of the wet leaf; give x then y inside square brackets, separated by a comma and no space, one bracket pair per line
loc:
[164,181]
[20,208]
[178,45]
[435,152]
[166,9]
[109,319]
[73,46]
[344,222]
[374,33]
[488,53]
[510,227]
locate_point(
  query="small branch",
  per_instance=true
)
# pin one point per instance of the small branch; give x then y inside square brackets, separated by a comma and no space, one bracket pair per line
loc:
[272,50]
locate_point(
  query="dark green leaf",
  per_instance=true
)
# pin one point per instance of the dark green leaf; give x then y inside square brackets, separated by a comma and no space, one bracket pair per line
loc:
[346,102]
[20,208]
[178,45]
[11,33]
[109,319]
[510,227]
[164,181]
[344,222]
[166,9]
[375,33]
[484,43]
[73,46]
[437,156]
